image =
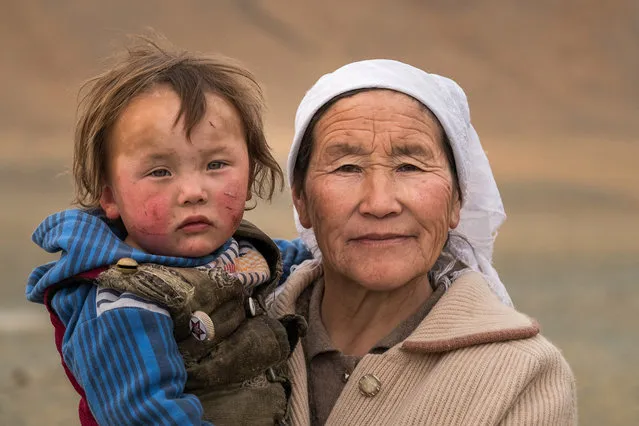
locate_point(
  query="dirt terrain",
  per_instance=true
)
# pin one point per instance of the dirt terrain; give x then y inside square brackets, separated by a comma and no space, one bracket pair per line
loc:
[553,94]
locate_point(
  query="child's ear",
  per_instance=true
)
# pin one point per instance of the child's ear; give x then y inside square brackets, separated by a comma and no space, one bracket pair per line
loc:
[249,191]
[108,204]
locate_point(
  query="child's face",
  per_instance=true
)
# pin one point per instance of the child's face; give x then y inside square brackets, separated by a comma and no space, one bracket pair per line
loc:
[177,197]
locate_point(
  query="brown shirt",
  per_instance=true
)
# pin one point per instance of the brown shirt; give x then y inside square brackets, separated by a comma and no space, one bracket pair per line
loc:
[328,368]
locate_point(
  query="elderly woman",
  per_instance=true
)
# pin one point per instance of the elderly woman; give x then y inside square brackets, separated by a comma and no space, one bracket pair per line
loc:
[409,323]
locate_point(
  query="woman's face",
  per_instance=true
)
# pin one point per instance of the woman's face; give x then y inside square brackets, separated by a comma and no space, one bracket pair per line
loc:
[378,193]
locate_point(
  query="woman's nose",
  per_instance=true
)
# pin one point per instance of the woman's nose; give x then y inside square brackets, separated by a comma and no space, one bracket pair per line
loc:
[192,192]
[379,197]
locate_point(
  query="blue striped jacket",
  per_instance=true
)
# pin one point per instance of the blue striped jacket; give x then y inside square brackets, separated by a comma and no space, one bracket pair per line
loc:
[118,348]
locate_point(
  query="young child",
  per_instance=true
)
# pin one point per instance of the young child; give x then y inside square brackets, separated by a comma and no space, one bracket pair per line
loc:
[150,297]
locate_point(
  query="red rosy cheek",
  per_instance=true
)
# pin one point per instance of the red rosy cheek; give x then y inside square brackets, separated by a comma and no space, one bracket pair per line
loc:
[153,217]
[158,214]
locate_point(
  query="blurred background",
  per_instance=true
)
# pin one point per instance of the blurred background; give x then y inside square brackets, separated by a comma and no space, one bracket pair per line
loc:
[554,97]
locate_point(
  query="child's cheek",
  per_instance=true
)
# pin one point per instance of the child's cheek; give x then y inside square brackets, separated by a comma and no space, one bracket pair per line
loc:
[153,215]
[232,199]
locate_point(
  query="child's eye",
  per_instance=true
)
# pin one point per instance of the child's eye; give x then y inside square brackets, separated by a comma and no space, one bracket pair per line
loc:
[215,165]
[160,173]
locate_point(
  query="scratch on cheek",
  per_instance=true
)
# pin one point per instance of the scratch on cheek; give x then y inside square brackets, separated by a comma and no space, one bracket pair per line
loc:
[233,203]
[230,195]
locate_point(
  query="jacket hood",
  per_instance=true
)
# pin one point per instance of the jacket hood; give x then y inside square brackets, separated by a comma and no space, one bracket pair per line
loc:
[86,240]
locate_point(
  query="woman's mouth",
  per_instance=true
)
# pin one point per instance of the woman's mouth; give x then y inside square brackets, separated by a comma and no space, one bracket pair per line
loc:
[381,239]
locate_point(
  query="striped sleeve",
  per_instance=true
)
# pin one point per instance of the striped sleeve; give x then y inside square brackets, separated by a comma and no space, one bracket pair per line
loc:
[107,299]
[293,253]
[129,365]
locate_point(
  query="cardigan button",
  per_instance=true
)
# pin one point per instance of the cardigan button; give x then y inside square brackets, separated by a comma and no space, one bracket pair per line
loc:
[201,326]
[126,265]
[251,307]
[369,385]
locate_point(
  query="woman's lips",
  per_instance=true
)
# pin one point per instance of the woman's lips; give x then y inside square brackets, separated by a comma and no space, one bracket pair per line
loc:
[381,239]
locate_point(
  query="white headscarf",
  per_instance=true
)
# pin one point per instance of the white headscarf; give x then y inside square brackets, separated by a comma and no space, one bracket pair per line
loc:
[482,211]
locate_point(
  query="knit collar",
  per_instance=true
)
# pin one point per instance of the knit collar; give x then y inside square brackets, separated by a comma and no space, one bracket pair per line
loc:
[468,314]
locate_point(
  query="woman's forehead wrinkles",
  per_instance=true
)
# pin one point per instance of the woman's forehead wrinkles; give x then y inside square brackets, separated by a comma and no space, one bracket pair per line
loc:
[349,126]
[366,116]
[345,125]
[361,125]
[369,131]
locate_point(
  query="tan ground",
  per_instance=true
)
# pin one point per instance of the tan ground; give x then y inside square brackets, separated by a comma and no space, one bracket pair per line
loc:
[553,92]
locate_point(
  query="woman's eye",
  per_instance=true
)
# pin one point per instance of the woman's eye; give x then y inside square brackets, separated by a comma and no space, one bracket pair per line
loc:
[348,168]
[160,173]
[408,168]
[215,165]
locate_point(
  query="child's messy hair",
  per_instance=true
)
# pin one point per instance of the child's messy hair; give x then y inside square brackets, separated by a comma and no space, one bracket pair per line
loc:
[144,65]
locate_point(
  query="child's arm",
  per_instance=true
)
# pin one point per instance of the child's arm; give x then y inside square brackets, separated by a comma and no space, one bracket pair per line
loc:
[293,252]
[127,361]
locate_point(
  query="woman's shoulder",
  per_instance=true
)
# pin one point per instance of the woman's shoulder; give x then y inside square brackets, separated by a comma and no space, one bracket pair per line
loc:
[510,332]
[474,334]
[469,314]
[541,353]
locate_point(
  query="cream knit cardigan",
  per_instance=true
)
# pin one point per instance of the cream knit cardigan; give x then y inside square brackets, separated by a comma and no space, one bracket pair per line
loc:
[472,361]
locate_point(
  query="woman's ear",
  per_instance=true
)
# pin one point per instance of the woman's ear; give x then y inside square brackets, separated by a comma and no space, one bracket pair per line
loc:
[299,201]
[108,203]
[455,211]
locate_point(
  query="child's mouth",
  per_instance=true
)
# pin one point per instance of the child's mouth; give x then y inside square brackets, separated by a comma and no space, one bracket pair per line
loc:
[195,224]
[195,227]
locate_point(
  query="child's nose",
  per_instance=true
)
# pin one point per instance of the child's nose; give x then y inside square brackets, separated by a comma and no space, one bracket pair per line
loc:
[192,193]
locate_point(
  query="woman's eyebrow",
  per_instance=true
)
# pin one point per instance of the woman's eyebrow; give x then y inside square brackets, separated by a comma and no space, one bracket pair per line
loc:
[411,150]
[342,149]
